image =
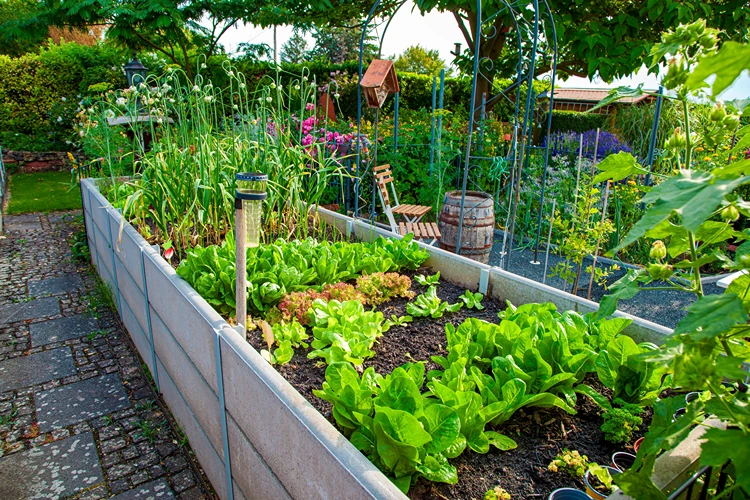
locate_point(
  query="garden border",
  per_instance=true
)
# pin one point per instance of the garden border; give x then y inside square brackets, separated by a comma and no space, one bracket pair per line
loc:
[227,399]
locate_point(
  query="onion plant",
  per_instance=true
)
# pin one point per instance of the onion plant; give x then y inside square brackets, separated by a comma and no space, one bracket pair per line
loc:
[183,188]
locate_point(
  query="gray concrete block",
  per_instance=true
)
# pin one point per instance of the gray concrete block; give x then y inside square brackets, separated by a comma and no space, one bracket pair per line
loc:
[185,314]
[252,474]
[196,392]
[128,245]
[204,451]
[60,329]
[79,401]
[36,368]
[54,470]
[139,337]
[132,294]
[55,286]
[307,454]
[33,309]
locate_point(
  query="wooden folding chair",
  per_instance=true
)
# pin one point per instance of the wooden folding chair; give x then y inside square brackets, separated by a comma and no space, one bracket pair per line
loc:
[426,231]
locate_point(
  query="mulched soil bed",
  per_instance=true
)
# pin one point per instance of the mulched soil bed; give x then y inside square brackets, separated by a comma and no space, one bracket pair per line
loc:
[540,433]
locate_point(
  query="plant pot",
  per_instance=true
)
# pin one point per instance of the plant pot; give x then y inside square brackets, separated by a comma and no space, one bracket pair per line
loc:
[637,444]
[594,493]
[677,414]
[623,460]
[568,494]
[691,396]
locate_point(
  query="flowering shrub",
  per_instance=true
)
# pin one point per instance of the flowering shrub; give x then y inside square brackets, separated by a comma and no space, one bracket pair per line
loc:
[567,143]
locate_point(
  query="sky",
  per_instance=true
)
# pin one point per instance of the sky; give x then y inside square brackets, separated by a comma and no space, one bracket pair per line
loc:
[439,31]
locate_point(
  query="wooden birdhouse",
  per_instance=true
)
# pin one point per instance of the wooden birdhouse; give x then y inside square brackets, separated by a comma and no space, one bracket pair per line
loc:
[378,81]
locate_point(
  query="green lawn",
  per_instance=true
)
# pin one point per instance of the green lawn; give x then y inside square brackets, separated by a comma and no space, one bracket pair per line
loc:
[42,192]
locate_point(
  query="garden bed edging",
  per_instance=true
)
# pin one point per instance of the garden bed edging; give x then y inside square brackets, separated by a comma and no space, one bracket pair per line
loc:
[247,425]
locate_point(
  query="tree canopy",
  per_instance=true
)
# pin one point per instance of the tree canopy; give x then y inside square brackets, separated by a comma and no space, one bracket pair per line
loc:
[417,59]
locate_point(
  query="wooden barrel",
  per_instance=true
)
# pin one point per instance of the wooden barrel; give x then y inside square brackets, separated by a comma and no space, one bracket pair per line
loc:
[478,229]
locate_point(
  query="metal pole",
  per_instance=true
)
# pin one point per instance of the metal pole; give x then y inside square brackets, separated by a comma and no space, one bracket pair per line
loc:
[578,175]
[240,228]
[432,125]
[549,239]
[395,122]
[654,131]
[482,118]
[596,251]
[374,163]
[472,110]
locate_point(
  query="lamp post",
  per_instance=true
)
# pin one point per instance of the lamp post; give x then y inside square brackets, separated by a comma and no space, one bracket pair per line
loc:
[248,205]
[135,71]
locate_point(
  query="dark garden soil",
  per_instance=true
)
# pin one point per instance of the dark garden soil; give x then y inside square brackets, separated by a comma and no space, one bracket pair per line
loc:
[540,433]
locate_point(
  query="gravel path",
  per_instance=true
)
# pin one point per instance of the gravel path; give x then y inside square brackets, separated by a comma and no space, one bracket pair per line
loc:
[78,416]
[666,308]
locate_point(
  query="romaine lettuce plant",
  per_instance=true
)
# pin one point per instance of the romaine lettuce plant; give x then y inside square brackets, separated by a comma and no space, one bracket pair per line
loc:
[344,331]
[429,304]
[472,300]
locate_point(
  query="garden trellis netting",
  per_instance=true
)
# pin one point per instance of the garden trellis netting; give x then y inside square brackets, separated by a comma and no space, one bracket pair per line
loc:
[536,43]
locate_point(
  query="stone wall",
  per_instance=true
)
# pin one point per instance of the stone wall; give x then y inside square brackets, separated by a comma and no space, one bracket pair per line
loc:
[30,161]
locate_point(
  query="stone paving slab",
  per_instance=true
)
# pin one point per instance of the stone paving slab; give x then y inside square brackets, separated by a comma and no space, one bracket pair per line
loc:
[55,286]
[36,368]
[52,470]
[152,490]
[72,403]
[58,330]
[22,311]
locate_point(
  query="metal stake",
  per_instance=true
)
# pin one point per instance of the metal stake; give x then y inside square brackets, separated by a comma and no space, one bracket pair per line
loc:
[549,239]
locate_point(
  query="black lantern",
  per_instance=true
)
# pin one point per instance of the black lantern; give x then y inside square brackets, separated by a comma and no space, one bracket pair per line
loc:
[135,71]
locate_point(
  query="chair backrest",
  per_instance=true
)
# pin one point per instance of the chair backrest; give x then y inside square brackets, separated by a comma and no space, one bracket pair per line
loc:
[383,177]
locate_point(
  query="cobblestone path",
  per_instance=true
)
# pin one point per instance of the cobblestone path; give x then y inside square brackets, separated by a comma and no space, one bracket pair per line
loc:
[78,418]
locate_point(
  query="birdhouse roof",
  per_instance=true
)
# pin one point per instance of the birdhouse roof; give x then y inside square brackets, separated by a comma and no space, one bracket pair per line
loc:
[379,72]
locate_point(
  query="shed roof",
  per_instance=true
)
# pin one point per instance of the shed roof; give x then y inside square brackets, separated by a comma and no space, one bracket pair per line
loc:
[591,95]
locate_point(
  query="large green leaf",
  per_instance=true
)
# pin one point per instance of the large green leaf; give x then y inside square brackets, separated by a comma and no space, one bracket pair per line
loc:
[443,425]
[727,64]
[712,315]
[690,194]
[618,166]
[728,444]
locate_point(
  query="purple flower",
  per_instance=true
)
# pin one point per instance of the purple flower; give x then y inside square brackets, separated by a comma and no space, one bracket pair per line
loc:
[567,143]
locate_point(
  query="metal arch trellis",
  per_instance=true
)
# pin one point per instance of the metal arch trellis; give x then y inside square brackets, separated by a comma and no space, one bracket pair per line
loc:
[539,28]
[527,30]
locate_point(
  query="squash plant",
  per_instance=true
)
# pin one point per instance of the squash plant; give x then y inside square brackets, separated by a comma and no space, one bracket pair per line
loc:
[690,211]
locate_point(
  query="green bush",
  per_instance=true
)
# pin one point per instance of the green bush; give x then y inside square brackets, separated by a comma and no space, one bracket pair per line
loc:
[39,93]
[573,121]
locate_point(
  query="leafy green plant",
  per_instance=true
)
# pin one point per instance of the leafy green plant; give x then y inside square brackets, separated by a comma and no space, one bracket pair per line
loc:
[344,331]
[287,336]
[693,211]
[602,477]
[284,267]
[472,300]
[403,433]
[398,320]
[428,280]
[571,462]
[632,379]
[429,304]
[382,287]
[619,423]
[497,493]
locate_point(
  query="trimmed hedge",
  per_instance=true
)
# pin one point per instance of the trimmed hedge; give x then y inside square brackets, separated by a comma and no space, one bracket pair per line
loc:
[574,121]
[39,93]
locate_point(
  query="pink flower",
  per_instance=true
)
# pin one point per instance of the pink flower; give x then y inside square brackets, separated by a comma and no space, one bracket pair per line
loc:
[168,253]
[309,106]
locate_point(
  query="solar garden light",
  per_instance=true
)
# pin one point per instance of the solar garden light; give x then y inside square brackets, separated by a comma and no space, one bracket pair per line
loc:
[135,71]
[248,205]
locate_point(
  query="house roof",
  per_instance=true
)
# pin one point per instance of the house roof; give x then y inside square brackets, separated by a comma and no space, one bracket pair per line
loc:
[591,95]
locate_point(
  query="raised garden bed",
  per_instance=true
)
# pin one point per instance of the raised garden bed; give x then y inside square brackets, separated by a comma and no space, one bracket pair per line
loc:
[232,404]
